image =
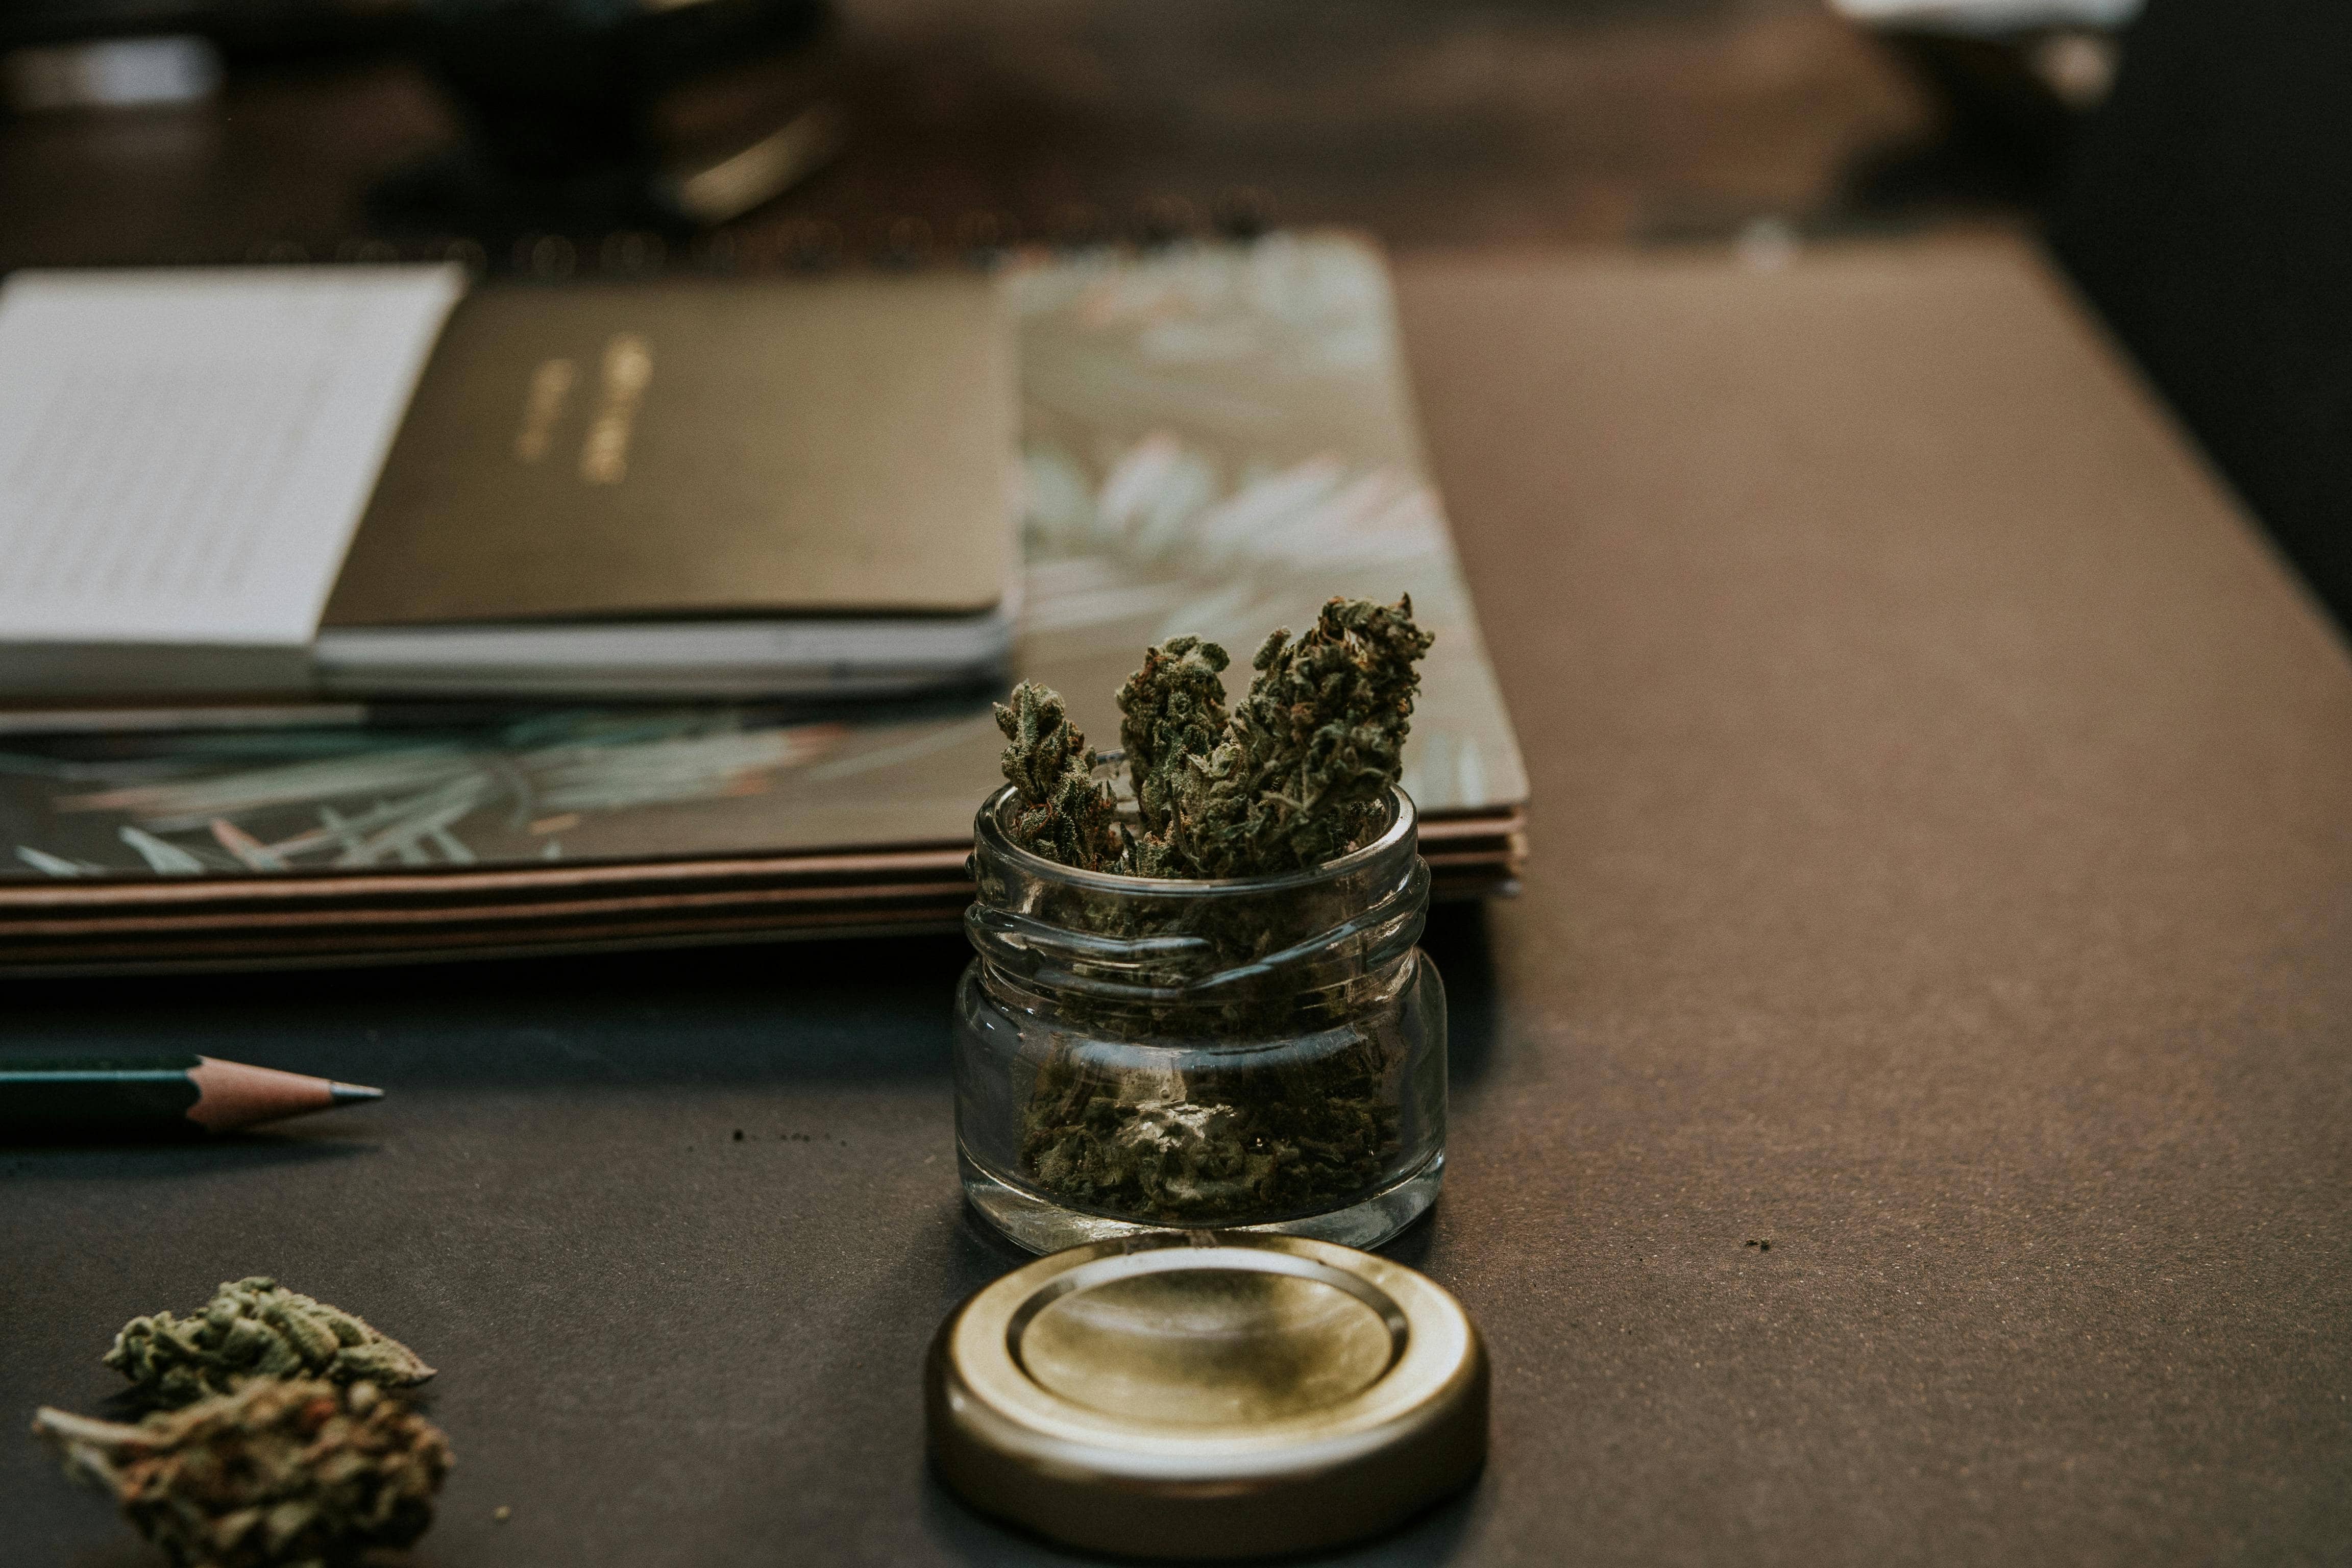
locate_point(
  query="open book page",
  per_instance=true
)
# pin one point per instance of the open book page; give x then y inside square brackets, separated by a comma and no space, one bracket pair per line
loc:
[184,454]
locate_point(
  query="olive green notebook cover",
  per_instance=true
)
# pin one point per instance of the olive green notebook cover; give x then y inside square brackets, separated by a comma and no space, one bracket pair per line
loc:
[697,446]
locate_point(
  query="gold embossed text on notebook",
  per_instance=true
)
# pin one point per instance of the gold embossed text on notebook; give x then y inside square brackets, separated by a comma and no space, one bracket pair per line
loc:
[697,448]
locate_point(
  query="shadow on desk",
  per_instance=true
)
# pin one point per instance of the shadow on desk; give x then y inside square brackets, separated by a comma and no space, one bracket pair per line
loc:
[804,1012]
[815,1011]
[156,1161]
[1433,1538]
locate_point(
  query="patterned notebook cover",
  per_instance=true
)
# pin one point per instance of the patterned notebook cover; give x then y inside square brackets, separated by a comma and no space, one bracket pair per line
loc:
[1217,438]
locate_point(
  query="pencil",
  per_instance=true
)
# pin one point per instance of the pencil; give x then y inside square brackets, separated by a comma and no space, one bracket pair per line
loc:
[133,1095]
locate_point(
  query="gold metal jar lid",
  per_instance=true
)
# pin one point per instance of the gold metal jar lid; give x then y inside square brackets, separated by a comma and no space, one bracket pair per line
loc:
[1202,1394]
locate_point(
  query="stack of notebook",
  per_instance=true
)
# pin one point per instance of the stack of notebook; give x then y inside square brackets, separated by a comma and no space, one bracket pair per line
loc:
[1212,440]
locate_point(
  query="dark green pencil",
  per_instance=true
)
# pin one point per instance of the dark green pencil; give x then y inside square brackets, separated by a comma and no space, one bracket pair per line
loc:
[133,1095]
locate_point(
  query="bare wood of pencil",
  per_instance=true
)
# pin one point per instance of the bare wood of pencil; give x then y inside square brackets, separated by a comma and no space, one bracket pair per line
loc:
[158,1094]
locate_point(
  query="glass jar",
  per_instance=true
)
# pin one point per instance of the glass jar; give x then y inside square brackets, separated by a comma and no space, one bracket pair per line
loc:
[1263,1053]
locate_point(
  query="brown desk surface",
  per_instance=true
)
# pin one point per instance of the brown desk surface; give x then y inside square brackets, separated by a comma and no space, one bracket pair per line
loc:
[1942,870]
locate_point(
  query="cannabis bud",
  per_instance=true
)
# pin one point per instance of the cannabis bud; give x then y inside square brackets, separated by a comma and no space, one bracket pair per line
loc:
[257,1327]
[1293,775]
[1063,815]
[1283,1132]
[277,1473]
[1317,744]
[1290,778]
[1171,713]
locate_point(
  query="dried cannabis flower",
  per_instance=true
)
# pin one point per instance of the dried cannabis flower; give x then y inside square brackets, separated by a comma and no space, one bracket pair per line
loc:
[1315,745]
[1171,713]
[257,1327]
[1270,1137]
[1065,815]
[1290,778]
[277,1474]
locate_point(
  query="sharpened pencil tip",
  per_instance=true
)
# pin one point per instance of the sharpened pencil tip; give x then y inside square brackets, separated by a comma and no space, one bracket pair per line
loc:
[353,1093]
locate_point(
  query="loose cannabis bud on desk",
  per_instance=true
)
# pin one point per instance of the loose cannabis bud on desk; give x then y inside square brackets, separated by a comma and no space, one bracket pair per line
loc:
[1290,777]
[257,1327]
[280,1473]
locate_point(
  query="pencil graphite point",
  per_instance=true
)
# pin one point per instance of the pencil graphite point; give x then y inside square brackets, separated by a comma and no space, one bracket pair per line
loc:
[233,1095]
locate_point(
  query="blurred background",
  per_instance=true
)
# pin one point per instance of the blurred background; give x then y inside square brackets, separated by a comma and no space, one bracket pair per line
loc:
[2185,158]
[304,124]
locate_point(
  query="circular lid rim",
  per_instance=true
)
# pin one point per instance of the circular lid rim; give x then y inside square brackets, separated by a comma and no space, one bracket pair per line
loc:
[992,1396]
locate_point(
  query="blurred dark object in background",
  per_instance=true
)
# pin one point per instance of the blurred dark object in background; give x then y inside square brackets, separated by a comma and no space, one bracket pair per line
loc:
[973,124]
[242,29]
[2015,105]
[2206,216]
[573,115]
[588,114]
[146,54]
[2014,81]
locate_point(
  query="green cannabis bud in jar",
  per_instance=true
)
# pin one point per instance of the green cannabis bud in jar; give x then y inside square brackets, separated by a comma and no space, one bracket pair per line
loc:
[1202,991]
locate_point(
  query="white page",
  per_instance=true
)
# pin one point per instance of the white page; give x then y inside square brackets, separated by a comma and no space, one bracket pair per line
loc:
[186,455]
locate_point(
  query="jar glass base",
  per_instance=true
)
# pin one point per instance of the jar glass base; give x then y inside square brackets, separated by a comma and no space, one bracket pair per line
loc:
[1029,1221]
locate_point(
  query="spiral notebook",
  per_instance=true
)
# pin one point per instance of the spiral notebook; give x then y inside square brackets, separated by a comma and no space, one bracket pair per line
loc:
[1215,439]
